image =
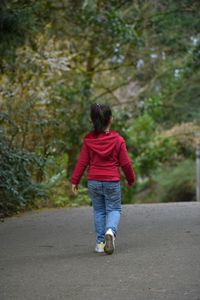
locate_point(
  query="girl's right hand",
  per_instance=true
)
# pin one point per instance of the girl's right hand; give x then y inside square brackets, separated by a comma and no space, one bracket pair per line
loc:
[129,185]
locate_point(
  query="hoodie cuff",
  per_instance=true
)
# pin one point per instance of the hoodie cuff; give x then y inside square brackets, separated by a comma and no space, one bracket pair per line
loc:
[73,181]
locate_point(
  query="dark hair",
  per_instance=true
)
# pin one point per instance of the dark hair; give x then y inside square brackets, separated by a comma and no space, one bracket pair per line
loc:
[100,115]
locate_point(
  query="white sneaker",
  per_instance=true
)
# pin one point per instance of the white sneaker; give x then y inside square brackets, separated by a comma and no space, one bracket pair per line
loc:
[100,247]
[109,242]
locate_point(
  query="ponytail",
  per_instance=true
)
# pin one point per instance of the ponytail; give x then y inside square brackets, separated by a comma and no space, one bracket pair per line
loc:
[100,115]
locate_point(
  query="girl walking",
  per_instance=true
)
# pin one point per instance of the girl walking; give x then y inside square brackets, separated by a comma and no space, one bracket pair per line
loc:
[104,151]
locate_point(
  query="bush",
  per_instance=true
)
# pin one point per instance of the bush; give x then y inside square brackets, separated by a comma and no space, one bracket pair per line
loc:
[150,148]
[17,189]
[59,194]
[58,185]
[177,183]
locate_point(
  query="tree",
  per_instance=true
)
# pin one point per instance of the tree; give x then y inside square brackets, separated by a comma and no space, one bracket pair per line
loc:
[139,56]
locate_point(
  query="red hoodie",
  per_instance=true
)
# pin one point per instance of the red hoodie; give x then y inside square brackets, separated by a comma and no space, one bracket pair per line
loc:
[104,153]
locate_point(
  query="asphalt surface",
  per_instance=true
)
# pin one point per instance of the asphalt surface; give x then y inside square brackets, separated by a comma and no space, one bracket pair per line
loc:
[49,255]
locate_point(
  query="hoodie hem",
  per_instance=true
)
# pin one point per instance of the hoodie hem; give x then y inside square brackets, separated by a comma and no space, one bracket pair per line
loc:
[103,178]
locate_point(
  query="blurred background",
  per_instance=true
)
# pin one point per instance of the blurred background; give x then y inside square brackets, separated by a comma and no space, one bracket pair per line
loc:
[57,57]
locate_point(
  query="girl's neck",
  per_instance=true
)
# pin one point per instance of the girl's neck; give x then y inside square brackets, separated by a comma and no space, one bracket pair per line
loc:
[107,129]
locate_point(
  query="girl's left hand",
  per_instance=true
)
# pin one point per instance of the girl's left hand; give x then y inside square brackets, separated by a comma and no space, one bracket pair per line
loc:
[74,188]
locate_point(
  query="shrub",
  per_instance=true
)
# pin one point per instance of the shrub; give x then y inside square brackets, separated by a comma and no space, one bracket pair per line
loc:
[150,148]
[176,183]
[17,189]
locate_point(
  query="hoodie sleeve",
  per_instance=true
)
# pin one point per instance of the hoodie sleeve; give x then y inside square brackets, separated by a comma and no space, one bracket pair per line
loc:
[81,164]
[125,163]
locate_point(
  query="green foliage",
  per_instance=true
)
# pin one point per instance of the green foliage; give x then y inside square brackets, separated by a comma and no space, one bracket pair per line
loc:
[19,23]
[176,183]
[17,189]
[141,57]
[150,149]
[154,107]
[59,194]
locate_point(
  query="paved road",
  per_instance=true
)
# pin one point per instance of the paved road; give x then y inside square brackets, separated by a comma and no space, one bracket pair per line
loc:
[48,255]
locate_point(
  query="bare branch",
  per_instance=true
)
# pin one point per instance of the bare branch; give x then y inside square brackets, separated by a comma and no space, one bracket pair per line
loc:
[109,90]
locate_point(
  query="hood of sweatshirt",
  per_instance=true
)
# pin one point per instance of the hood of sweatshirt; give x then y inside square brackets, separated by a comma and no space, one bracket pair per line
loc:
[104,143]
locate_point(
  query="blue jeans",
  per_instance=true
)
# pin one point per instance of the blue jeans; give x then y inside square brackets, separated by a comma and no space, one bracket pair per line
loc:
[106,202]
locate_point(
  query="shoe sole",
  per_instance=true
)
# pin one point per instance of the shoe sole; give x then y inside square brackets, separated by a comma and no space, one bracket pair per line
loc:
[109,246]
[98,251]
